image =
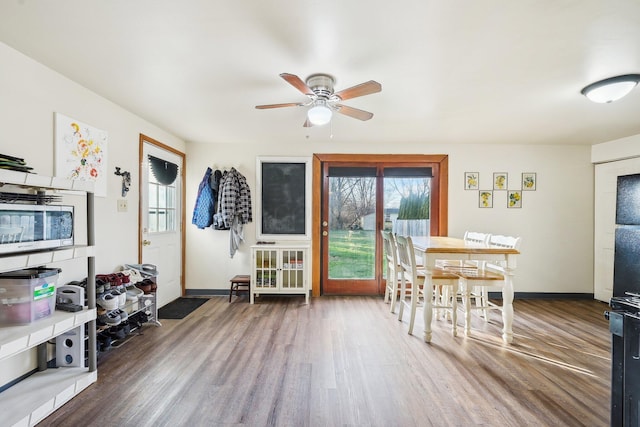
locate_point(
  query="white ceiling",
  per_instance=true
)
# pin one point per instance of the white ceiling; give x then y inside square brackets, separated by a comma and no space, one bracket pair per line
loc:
[452,71]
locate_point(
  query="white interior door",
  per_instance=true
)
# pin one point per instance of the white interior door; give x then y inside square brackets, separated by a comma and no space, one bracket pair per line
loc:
[161,221]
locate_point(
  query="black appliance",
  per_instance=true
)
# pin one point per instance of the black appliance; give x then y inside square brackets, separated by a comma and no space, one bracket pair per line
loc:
[626,264]
[624,324]
[624,316]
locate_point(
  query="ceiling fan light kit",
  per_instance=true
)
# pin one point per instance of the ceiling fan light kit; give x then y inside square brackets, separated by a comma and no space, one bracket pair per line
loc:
[319,114]
[611,89]
[323,100]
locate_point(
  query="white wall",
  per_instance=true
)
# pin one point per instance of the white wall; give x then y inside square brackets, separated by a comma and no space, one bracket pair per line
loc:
[29,95]
[555,222]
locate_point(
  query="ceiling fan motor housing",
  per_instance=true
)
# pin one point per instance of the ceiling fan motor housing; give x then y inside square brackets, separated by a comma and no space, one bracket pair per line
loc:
[321,85]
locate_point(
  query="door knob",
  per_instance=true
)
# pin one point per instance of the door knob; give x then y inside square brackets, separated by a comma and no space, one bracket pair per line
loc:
[325,223]
[324,233]
[146,242]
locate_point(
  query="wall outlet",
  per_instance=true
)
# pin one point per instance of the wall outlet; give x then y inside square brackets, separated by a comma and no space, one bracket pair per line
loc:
[122,205]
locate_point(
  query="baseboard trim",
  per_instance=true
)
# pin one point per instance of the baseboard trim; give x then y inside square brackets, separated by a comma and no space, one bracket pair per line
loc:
[544,295]
[206,292]
[492,295]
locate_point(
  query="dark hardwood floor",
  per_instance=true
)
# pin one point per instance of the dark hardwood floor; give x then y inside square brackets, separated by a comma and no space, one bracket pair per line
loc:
[346,361]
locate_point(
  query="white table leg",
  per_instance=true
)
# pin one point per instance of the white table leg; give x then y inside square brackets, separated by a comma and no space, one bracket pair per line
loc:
[466,294]
[403,297]
[414,306]
[507,307]
[428,305]
[454,311]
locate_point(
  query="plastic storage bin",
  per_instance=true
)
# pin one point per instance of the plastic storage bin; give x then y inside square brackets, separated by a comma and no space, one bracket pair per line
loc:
[27,295]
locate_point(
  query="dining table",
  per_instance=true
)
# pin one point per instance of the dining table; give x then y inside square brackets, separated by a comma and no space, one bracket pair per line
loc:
[433,248]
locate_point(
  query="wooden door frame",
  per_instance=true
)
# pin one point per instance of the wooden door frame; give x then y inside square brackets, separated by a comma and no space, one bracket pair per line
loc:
[440,216]
[182,171]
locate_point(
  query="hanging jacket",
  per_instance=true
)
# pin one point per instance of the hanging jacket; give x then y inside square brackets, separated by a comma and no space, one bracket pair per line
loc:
[234,198]
[234,207]
[215,186]
[204,207]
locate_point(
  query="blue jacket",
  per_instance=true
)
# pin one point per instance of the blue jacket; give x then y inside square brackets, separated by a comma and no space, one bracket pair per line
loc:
[205,206]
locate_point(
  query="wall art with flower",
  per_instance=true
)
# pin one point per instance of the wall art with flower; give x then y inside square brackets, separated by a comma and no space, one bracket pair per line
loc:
[485,198]
[81,152]
[471,180]
[514,199]
[500,181]
[528,181]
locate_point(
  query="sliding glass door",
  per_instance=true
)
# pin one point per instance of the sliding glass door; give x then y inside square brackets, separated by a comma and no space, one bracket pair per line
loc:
[359,200]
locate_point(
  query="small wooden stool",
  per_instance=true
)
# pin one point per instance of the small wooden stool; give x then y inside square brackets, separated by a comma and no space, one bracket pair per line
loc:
[239,283]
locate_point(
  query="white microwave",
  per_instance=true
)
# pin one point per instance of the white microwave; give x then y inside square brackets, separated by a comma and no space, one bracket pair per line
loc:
[25,227]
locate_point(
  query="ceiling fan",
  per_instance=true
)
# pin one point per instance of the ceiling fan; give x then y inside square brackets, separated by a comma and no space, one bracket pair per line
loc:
[323,100]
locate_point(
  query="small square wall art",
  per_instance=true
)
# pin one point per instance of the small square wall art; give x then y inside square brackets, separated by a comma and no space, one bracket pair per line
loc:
[500,180]
[514,199]
[471,180]
[485,198]
[528,181]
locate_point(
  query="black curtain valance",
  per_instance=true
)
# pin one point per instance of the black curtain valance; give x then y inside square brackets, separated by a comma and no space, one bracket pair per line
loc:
[352,171]
[371,171]
[408,172]
[164,171]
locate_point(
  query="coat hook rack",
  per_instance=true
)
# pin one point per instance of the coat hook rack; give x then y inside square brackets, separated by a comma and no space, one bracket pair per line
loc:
[126,180]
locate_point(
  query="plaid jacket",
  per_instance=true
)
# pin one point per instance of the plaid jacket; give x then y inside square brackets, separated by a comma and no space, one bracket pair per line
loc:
[234,198]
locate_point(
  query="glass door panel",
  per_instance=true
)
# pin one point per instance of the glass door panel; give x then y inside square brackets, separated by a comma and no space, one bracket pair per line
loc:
[351,231]
[352,228]
[292,269]
[266,269]
[406,205]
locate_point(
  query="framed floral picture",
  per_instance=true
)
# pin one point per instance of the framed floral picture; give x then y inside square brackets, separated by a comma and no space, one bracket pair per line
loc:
[514,199]
[500,180]
[81,152]
[485,198]
[471,180]
[528,181]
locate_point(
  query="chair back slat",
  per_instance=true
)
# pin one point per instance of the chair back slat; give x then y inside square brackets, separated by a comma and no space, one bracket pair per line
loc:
[476,237]
[509,242]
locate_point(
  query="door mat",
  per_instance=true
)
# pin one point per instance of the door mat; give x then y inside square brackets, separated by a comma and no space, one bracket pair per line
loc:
[180,308]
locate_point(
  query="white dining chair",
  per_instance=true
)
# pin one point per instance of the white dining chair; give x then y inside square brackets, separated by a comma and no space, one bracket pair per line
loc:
[393,269]
[473,237]
[444,286]
[476,282]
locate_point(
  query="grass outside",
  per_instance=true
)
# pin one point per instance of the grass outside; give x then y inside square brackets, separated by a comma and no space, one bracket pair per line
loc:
[352,254]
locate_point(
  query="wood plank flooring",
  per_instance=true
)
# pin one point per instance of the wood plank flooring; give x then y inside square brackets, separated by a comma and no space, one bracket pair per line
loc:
[346,361]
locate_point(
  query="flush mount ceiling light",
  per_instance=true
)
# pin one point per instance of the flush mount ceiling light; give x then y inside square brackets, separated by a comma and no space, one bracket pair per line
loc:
[611,89]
